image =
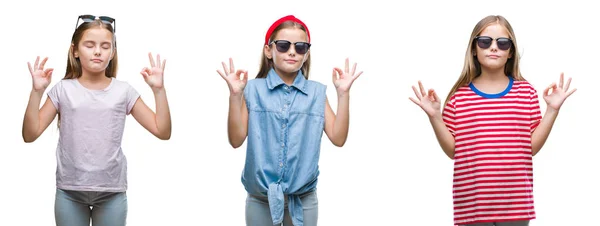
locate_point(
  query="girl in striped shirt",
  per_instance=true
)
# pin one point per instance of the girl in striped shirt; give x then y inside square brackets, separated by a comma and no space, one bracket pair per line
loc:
[491,125]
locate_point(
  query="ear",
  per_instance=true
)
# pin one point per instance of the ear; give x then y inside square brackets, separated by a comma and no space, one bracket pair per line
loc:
[268,53]
[75,52]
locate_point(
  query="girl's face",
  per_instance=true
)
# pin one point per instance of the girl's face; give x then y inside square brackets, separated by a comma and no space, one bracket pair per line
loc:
[95,50]
[493,47]
[289,50]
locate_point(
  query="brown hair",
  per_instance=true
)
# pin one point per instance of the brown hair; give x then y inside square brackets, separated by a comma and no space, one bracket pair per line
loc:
[472,68]
[74,65]
[266,64]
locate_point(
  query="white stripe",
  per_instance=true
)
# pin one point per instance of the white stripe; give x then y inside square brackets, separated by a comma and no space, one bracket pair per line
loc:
[493,212]
[495,118]
[460,152]
[518,123]
[500,156]
[497,206]
[515,140]
[474,186]
[493,128]
[476,168]
[525,215]
[506,196]
[495,161]
[491,201]
[492,190]
[482,180]
[483,174]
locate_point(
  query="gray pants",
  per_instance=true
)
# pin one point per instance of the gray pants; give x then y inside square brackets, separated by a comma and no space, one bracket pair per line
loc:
[505,223]
[259,214]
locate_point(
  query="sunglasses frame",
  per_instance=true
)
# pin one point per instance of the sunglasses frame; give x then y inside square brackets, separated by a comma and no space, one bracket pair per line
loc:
[86,18]
[510,42]
[290,46]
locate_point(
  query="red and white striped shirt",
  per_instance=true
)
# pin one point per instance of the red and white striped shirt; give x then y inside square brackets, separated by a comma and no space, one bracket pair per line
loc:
[493,175]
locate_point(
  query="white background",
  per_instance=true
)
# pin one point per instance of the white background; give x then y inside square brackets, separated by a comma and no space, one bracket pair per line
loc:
[391,170]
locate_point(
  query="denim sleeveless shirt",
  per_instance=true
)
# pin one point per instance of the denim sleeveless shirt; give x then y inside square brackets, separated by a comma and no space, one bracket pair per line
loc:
[285,126]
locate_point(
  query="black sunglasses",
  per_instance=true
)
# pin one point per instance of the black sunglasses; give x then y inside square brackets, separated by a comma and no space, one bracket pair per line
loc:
[283,46]
[485,42]
[90,18]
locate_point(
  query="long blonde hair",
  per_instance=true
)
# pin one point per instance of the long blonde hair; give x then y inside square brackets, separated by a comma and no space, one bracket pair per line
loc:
[472,68]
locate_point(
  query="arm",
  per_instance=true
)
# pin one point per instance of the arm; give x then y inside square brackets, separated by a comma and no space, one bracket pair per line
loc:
[336,127]
[37,120]
[158,124]
[237,120]
[541,133]
[443,135]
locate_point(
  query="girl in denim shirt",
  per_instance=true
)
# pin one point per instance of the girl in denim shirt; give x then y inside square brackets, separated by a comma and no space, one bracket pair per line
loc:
[284,114]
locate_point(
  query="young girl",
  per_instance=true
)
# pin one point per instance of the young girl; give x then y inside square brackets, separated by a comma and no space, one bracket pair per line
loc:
[491,126]
[284,115]
[92,105]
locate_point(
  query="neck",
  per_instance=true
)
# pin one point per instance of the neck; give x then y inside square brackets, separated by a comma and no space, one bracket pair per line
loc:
[93,77]
[288,78]
[492,74]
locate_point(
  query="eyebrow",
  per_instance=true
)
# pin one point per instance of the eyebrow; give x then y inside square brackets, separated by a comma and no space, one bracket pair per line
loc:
[91,41]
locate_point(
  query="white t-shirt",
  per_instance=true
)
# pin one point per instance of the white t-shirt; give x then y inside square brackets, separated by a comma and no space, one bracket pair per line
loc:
[89,155]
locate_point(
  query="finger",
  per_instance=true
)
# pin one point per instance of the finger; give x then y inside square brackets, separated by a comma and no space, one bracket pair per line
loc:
[414,101]
[48,71]
[163,65]
[333,75]
[422,89]
[356,76]
[353,69]
[231,67]
[221,74]
[225,69]
[245,77]
[416,92]
[437,98]
[568,84]
[347,65]
[340,73]
[560,81]
[43,63]
[145,72]
[430,95]
[158,60]
[571,92]
[37,61]
[151,60]
[30,70]
[238,74]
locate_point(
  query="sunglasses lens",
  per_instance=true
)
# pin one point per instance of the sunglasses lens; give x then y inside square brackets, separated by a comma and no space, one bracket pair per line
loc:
[282,46]
[484,42]
[504,43]
[107,19]
[302,47]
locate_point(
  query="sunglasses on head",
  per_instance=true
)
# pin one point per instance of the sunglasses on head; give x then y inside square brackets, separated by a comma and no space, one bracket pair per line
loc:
[485,42]
[283,46]
[91,18]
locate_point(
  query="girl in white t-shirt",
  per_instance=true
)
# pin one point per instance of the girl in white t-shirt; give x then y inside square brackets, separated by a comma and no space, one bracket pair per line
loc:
[92,105]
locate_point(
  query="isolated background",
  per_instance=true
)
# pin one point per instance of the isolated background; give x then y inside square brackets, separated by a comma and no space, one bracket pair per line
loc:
[391,170]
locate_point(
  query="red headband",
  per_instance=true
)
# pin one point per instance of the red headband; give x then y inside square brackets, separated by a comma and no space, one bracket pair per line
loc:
[282,20]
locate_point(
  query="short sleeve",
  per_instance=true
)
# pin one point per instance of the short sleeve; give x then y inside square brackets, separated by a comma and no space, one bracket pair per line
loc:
[132,97]
[449,115]
[55,93]
[536,113]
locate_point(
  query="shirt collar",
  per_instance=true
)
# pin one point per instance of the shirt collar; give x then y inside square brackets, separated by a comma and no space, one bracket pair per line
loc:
[273,81]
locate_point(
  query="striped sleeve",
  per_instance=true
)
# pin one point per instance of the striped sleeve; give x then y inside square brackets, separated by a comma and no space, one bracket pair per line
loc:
[449,116]
[536,113]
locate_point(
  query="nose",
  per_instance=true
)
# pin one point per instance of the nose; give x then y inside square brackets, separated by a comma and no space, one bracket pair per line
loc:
[97,50]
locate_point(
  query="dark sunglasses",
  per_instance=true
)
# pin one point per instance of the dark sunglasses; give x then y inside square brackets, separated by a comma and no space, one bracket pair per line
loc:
[90,18]
[485,42]
[283,46]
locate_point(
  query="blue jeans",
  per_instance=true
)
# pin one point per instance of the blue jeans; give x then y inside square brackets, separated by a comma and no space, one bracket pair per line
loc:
[259,214]
[77,208]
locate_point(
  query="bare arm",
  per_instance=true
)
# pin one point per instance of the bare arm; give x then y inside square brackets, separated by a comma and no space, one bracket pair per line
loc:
[541,133]
[159,123]
[336,126]
[237,120]
[37,120]
[443,135]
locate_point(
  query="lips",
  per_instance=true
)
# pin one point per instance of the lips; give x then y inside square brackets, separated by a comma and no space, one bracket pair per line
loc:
[493,56]
[291,61]
[97,60]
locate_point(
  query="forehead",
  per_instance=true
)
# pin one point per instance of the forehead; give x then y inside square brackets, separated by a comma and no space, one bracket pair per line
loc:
[292,34]
[97,34]
[495,31]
